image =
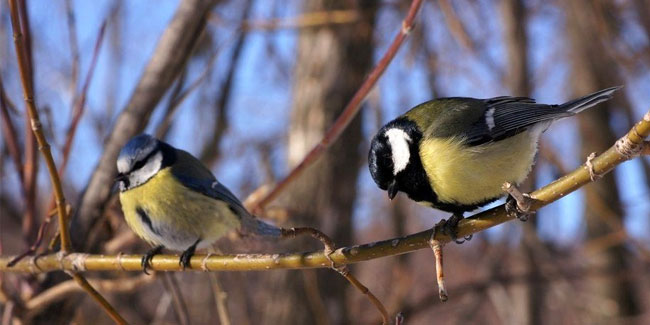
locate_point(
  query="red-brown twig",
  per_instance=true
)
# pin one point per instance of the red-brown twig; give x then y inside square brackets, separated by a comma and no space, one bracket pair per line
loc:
[80,101]
[11,139]
[78,110]
[22,51]
[350,111]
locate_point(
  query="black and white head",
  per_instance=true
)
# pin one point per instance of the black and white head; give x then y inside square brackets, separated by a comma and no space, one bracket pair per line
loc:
[394,160]
[140,159]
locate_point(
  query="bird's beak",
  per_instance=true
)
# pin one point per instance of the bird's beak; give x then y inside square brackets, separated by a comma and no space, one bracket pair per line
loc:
[392,189]
[119,177]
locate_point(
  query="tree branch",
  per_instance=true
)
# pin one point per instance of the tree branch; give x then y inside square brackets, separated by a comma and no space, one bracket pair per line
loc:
[558,189]
[350,111]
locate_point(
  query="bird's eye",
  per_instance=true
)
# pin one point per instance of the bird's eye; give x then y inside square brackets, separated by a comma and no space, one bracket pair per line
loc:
[139,164]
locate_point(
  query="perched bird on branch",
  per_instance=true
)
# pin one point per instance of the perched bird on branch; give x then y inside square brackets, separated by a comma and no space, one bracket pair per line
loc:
[455,154]
[171,200]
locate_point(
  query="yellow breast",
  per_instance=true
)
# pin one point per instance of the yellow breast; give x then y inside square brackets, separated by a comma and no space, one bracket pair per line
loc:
[179,214]
[471,175]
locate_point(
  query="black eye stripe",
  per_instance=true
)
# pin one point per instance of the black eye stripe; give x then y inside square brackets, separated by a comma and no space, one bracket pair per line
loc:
[140,163]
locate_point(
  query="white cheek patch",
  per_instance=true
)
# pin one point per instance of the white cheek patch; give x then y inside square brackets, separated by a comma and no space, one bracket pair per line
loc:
[123,165]
[489,118]
[140,176]
[399,146]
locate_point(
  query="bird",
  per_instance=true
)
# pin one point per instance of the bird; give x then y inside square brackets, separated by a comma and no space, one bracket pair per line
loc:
[171,200]
[455,154]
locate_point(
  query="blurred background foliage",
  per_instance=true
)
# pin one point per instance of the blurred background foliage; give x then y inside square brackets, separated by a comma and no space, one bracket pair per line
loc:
[266,80]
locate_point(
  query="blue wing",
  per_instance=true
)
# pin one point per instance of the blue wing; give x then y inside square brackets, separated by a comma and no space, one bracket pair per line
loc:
[191,173]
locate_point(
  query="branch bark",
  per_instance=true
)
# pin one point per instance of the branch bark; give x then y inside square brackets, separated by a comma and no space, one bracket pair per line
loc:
[552,192]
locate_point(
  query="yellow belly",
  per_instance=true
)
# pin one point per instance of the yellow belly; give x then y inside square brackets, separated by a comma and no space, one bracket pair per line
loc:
[471,175]
[179,215]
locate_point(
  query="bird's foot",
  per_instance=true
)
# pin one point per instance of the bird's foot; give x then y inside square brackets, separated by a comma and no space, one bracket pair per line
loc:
[517,204]
[450,228]
[187,254]
[146,259]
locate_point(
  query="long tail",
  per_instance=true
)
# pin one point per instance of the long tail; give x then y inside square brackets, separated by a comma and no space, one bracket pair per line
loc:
[578,105]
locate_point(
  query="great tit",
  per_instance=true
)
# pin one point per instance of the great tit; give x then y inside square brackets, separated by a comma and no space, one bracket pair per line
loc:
[170,199]
[455,154]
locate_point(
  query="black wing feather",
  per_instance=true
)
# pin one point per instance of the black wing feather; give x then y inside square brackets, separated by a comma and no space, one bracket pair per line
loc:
[505,116]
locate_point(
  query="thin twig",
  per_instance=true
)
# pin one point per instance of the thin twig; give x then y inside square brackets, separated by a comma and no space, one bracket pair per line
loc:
[350,111]
[11,139]
[436,246]
[65,289]
[77,113]
[24,65]
[80,102]
[246,262]
[343,270]
[44,147]
[178,301]
[220,297]
[210,152]
[112,313]
[74,44]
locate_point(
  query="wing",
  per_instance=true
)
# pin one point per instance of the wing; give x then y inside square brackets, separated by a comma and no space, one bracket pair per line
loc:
[507,116]
[191,173]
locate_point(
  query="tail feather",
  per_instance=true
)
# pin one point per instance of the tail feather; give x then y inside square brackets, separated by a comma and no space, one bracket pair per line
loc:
[578,105]
[252,225]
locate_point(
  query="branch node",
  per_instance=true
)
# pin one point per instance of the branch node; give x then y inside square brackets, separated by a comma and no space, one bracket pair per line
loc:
[627,148]
[406,28]
[79,262]
[204,263]
[521,209]
[60,256]
[33,265]
[119,261]
[36,124]
[590,167]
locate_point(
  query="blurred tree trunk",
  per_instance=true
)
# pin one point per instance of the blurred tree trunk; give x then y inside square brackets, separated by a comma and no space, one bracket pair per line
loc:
[528,297]
[331,64]
[593,69]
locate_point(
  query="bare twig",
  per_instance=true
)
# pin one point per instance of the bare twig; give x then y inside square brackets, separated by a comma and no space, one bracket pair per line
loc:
[346,255]
[211,150]
[11,139]
[67,288]
[178,301]
[343,270]
[436,246]
[220,297]
[74,44]
[80,101]
[24,65]
[112,313]
[77,113]
[350,111]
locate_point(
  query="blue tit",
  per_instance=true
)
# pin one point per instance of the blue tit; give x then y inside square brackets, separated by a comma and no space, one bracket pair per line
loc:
[170,199]
[455,154]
